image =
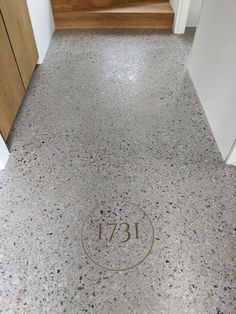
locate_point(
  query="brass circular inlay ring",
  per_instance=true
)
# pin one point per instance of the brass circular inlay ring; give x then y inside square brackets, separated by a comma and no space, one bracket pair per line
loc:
[117,235]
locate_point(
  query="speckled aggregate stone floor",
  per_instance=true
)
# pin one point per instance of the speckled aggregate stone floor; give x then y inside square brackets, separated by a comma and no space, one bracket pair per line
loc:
[112,115]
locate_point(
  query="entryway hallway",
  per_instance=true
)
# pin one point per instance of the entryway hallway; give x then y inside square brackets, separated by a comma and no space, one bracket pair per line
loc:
[112,115]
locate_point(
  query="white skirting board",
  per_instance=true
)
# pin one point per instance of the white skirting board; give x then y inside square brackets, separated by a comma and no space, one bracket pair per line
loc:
[181,9]
[4,154]
[231,159]
[43,25]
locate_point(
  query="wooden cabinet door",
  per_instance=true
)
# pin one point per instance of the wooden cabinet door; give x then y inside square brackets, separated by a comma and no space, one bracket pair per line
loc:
[11,86]
[16,18]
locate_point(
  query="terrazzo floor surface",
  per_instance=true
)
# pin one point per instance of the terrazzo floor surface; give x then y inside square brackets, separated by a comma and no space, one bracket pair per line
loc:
[112,115]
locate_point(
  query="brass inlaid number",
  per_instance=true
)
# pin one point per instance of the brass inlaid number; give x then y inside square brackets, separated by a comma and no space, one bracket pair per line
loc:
[124,228]
[117,235]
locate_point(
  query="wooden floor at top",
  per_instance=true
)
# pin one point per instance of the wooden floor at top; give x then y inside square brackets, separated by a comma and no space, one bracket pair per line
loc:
[112,14]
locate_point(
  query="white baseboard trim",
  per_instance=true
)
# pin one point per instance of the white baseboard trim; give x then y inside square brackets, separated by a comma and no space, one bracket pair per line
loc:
[43,25]
[231,159]
[4,154]
[181,9]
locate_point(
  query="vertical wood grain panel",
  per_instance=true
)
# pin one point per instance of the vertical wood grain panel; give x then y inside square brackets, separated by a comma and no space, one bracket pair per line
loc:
[16,18]
[11,86]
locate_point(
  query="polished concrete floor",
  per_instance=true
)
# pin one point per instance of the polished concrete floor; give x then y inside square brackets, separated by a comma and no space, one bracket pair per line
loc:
[111,116]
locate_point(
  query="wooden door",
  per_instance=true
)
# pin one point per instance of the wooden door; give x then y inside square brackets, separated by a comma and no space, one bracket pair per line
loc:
[11,86]
[16,18]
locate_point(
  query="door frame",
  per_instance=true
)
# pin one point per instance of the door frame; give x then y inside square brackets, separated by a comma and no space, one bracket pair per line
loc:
[181,9]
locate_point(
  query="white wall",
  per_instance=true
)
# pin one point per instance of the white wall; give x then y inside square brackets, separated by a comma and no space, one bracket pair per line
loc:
[174,4]
[194,13]
[42,23]
[213,69]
